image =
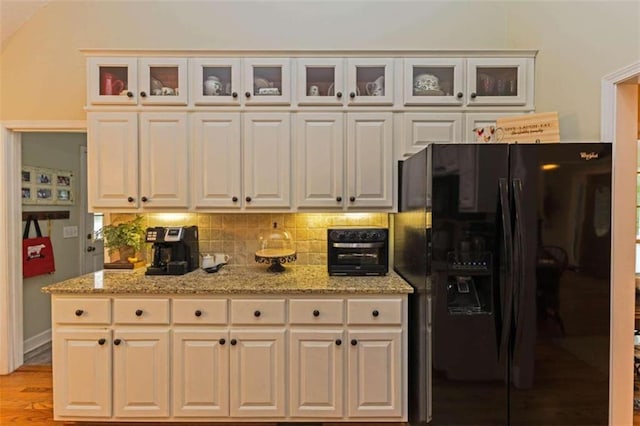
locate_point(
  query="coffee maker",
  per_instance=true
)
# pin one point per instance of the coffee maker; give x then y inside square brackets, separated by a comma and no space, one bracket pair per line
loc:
[175,250]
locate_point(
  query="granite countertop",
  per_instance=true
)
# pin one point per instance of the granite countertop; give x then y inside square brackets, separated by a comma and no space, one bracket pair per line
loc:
[231,280]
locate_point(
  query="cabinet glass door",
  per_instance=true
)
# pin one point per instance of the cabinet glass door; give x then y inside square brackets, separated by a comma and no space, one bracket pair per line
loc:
[433,81]
[320,81]
[215,81]
[370,81]
[163,81]
[497,81]
[267,81]
[112,81]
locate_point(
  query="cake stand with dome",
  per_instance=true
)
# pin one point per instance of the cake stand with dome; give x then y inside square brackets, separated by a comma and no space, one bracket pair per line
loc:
[276,249]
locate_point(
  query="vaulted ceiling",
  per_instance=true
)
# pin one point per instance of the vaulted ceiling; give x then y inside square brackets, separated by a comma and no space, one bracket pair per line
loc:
[14,13]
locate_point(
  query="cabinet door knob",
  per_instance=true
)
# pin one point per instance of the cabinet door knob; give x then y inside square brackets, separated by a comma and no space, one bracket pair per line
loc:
[117,342]
[233,342]
[338,198]
[130,199]
[375,313]
[256,314]
[138,312]
[102,341]
[234,95]
[459,95]
[352,95]
[222,341]
[248,199]
[352,198]
[316,313]
[198,313]
[354,342]
[79,312]
[234,199]
[143,94]
[473,95]
[339,95]
[130,94]
[144,199]
[247,94]
[338,342]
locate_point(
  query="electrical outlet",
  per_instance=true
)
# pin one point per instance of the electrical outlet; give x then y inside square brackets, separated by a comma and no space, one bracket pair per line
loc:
[70,232]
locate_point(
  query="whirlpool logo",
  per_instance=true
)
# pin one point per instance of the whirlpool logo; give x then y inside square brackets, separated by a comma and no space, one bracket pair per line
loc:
[589,155]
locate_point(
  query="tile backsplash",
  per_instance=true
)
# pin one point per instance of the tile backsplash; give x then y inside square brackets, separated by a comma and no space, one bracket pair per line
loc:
[236,234]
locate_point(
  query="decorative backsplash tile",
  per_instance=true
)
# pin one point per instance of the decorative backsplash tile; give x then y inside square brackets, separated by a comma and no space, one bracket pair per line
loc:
[236,234]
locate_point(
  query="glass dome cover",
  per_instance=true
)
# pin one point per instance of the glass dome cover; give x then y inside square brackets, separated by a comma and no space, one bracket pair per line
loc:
[276,247]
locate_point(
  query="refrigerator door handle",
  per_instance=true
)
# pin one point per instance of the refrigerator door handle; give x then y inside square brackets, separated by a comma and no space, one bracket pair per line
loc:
[519,272]
[508,253]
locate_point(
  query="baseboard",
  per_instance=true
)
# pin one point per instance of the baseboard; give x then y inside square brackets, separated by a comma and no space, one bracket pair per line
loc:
[36,341]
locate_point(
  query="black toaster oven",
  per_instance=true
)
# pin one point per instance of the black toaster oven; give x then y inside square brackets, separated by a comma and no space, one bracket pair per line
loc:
[358,251]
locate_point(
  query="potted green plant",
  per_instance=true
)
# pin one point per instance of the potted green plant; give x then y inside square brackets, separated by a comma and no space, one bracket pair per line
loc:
[127,238]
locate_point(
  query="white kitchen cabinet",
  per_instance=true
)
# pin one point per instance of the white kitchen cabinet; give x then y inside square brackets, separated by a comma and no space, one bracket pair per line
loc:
[215,81]
[267,160]
[420,129]
[320,81]
[370,160]
[257,372]
[500,81]
[433,81]
[200,373]
[216,164]
[82,373]
[482,119]
[316,361]
[267,81]
[119,178]
[370,81]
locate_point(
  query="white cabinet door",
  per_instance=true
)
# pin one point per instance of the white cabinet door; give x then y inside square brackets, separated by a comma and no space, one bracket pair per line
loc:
[375,373]
[370,159]
[316,373]
[267,160]
[82,372]
[164,159]
[215,81]
[112,159]
[141,373]
[200,373]
[500,81]
[482,119]
[420,129]
[257,373]
[320,81]
[433,81]
[267,81]
[320,159]
[112,81]
[216,170]
[370,81]
[163,81]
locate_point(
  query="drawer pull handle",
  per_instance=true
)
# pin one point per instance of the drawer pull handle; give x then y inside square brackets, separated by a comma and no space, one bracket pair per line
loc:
[138,312]
[316,313]
[375,313]
[338,342]
[222,341]
[79,312]
[102,341]
[354,342]
[256,314]
[233,342]
[117,342]
[198,313]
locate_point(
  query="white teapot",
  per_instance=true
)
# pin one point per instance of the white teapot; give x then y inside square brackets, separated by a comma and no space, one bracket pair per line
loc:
[376,87]
[212,86]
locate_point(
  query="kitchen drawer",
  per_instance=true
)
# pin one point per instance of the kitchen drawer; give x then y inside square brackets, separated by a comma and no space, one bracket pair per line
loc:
[82,311]
[316,311]
[198,311]
[141,311]
[374,311]
[257,311]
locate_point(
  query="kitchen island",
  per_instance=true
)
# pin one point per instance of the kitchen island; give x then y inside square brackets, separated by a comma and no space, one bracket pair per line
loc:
[238,345]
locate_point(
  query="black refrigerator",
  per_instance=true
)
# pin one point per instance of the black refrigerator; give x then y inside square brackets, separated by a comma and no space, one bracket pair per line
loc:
[508,248]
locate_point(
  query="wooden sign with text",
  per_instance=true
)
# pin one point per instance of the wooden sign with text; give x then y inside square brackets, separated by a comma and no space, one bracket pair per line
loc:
[542,127]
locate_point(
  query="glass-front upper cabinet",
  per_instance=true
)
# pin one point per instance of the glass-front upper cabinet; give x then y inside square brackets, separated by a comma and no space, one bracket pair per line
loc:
[499,81]
[320,81]
[215,81]
[267,81]
[163,81]
[370,81]
[112,80]
[433,81]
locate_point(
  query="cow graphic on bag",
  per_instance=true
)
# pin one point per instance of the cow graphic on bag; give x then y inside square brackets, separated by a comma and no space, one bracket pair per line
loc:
[37,253]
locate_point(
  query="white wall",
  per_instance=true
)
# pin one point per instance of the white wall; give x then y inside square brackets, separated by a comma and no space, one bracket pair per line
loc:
[43,73]
[57,151]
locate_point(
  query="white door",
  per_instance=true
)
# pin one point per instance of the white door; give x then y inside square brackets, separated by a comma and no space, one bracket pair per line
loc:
[112,80]
[82,373]
[482,119]
[369,160]
[316,373]
[164,159]
[320,159]
[420,129]
[216,161]
[267,81]
[163,81]
[267,160]
[91,249]
[257,373]
[200,373]
[370,81]
[320,81]
[433,81]
[141,373]
[500,81]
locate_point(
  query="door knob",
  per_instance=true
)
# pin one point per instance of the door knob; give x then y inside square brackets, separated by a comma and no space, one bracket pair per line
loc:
[91,248]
